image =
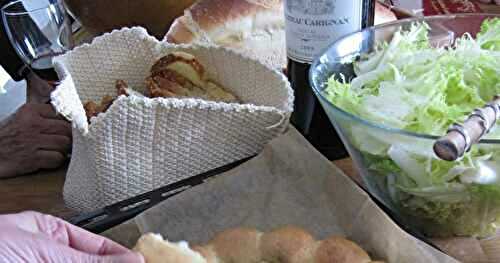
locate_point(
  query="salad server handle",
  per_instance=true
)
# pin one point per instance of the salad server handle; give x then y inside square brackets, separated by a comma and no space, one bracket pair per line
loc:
[460,137]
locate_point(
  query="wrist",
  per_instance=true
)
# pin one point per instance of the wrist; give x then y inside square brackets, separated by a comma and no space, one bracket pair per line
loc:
[7,166]
[38,90]
[24,72]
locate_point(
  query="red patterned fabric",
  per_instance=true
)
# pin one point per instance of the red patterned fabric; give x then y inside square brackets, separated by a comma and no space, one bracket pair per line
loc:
[438,7]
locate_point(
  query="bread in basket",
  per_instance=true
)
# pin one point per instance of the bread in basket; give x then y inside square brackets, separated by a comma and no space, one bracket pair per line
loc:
[139,143]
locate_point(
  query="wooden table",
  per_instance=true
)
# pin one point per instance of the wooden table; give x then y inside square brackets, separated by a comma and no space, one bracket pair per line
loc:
[40,192]
[43,192]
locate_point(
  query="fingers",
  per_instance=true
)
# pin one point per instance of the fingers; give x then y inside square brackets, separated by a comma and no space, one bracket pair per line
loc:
[50,123]
[49,159]
[85,241]
[57,252]
[82,240]
[130,257]
[24,220]
[59,127]
[53,123]
[59,241]
[65,233]
[59,143]
[44,110]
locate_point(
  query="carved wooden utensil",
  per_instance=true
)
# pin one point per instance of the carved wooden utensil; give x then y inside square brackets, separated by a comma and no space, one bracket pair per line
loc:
[460,137]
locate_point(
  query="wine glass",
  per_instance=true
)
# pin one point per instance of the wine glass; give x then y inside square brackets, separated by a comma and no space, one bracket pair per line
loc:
[38,30]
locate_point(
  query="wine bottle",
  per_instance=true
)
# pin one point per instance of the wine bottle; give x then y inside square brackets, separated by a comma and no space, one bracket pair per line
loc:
[311,26]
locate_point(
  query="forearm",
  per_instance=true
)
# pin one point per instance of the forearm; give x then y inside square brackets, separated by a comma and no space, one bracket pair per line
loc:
[5,137]
[4,122]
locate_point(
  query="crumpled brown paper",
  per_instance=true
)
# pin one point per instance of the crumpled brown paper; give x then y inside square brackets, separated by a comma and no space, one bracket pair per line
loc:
[288,183]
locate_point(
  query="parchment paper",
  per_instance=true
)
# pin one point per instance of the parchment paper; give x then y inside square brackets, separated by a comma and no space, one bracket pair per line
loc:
[288,183]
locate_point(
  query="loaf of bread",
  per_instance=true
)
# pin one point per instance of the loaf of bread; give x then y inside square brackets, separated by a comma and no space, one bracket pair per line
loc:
[92,109]
[175,75]
[181,75]
[247,245]
[254,27]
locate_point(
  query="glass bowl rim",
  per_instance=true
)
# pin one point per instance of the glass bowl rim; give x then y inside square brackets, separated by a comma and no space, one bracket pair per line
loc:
[317,61]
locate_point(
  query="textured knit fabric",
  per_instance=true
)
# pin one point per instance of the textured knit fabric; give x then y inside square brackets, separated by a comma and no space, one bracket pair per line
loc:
[140,144]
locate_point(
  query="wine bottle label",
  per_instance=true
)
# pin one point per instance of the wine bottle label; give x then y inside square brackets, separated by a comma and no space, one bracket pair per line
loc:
[312,25]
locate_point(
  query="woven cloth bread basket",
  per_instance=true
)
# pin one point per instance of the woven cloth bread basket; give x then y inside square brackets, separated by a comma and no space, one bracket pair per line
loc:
[140,144]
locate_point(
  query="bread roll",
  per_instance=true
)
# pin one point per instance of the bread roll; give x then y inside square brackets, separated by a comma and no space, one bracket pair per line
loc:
[284,244]
[254,27]
[340,250]
[237,245]
[155,250]
[246,245]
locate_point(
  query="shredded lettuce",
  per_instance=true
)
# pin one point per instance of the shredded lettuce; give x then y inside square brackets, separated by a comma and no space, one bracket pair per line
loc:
[489,37]
[411,84]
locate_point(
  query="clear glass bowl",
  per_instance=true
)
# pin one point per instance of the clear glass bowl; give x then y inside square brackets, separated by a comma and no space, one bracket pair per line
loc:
[469,211]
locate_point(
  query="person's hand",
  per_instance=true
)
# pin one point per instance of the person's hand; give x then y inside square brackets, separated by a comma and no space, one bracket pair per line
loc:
[35,237]
[33,138]
[497,2]
[38,90]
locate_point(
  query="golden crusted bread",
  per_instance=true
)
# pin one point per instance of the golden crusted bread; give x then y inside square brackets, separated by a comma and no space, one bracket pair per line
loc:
[237,245]
[180,74]
[154,249]
[254,27]
[222,18]
[247,245]
[176,75]
[284,244]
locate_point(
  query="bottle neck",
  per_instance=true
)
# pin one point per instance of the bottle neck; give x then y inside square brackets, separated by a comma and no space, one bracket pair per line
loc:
[368,18]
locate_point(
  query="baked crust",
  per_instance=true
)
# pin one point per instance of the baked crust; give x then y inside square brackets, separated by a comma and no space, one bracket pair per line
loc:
[179,32]
[208,16]
[288,244]
[253,27]
[175,75]
[340,250]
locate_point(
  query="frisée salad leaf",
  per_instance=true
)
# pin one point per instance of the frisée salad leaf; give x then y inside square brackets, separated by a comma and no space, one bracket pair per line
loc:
[412,85]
